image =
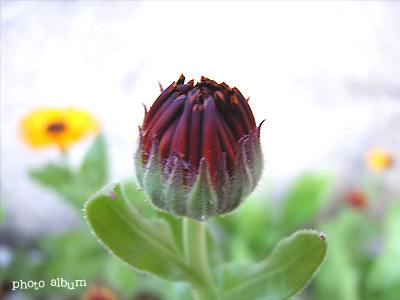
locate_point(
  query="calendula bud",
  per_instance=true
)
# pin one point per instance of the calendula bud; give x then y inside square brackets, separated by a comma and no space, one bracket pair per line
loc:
[199,153]
[356,198]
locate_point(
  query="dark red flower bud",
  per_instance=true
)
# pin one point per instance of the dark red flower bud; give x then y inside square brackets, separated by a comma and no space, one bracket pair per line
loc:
[199,153]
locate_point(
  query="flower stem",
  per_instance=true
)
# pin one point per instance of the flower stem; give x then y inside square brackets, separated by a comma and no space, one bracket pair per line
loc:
[64,158]
[196,256]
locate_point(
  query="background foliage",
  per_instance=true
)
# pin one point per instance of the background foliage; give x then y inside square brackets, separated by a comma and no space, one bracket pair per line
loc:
[361,263]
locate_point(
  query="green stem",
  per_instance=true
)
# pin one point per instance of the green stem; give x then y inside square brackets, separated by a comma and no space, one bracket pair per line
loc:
[196,257]
[64,158]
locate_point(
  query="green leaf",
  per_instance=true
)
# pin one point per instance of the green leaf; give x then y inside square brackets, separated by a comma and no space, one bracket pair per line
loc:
[147,245]
[65,182]
[138,199]
[76,248]
[338,278]
[290,266]
[52,175]
[122,277]
[242,230]
[341,275]
[94,167]
[20,266]
[304,200]
[383,280]
[252,221]
[58,256]
[75,186]
[3,210]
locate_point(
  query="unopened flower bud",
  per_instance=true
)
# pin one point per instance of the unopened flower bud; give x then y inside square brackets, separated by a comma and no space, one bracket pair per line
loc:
[356,198]
[199,153]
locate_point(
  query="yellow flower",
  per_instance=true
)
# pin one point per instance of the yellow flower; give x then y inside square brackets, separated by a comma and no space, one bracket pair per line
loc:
[62,127]
[379,159]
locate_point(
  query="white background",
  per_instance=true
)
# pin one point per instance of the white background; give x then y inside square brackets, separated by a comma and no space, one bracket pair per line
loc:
[325,75]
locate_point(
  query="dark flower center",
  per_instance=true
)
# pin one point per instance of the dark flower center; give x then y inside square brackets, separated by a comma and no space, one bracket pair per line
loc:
[56,127]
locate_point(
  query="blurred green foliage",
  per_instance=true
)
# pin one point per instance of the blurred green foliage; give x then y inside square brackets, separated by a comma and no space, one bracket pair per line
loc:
[363,261]
[364,248]
[150,245]
[261,222]
[76,186]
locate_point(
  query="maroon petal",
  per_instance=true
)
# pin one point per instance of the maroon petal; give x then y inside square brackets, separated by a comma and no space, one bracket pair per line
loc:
[237,109]
[226,111]
[163,122]
[209,136]
[180,140]
[199,153]
[195,135]
[181,80]
[227,141]
[158,103]
[165,142]
[245,108]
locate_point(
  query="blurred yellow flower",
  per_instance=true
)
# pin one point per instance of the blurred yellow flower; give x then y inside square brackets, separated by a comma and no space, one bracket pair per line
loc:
[62,127]
[379,159]
[99,293]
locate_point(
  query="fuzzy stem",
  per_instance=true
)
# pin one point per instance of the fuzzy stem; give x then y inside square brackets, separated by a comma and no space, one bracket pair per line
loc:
[196,257]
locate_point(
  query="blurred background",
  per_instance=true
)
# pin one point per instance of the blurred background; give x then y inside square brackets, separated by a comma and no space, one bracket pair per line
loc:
[324,75]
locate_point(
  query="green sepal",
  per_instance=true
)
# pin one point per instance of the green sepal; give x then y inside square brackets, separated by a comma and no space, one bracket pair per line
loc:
[255,156]
[202,200]
[138,162]
[152,182]
[243,182]
[174,191]
[223,187]
[175,188]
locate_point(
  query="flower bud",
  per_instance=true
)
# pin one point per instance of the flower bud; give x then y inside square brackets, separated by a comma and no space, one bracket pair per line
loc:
[199,153]
[356,198]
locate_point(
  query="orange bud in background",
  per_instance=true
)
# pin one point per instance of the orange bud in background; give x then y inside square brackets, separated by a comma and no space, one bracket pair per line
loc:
[99,293]
[356,198]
